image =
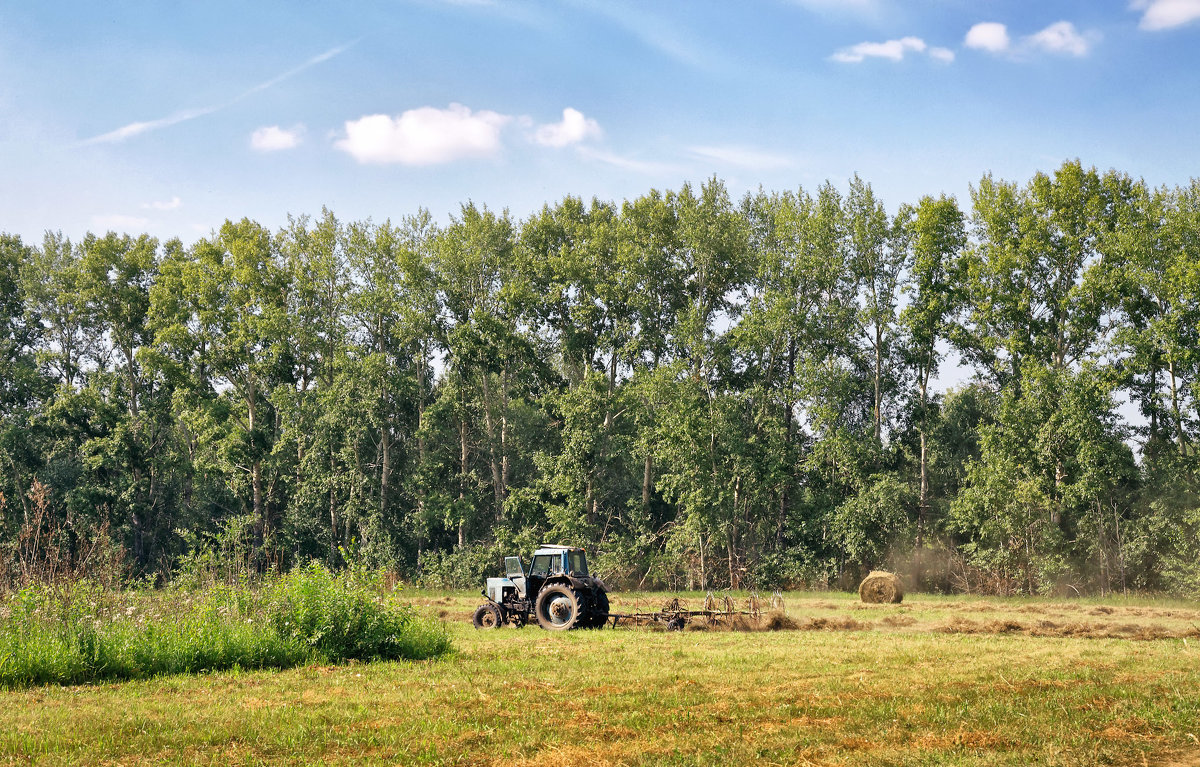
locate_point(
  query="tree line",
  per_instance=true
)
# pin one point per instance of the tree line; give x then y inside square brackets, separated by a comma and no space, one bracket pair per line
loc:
[704,392]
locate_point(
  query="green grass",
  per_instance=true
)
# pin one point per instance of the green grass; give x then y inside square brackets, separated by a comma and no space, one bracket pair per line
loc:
[83,633]
[885,692]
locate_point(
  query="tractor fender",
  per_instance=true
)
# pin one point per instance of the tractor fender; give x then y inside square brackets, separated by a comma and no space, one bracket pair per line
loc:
[586,584]
[578,583]
[567,580]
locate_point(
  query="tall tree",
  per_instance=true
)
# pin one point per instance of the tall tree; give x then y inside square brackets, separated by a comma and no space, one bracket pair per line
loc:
[876,258]
[937,235]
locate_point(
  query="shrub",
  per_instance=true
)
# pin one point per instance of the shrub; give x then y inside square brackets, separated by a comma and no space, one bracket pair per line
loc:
[345,616]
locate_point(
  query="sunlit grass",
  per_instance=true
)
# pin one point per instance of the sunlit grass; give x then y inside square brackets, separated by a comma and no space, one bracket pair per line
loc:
[81,632]
[884,695]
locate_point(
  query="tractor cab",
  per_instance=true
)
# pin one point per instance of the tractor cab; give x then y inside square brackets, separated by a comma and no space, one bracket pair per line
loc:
[549,561]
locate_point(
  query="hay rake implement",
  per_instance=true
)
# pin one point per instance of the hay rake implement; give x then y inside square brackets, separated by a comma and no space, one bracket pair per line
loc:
[559,594]
[716,610]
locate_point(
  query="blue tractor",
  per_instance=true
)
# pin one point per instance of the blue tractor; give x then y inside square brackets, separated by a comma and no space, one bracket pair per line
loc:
[557,592]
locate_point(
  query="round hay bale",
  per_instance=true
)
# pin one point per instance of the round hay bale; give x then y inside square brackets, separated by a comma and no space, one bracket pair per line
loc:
[881,587]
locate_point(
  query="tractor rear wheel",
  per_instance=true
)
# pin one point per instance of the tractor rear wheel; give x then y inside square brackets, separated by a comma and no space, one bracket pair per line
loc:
[488,616]
[557,607]
[599,611]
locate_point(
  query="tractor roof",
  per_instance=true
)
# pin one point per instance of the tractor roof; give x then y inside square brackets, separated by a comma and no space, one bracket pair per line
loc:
[558,547]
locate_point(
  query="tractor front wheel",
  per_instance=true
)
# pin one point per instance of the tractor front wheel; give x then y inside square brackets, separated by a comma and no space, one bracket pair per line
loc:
[557,607]
[488,616]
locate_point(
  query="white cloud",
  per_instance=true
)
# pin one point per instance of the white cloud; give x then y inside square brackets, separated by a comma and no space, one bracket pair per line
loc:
[573,128]
[424,136]
[272,138]
[1166,14]
[118,222]
[742,157]
[988,36]
[1061,37]
[891,49]
[894,50]
[172,204]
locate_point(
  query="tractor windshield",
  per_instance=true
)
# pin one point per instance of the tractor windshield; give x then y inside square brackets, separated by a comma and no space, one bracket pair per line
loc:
[541,565]
[577,562]
[512,567]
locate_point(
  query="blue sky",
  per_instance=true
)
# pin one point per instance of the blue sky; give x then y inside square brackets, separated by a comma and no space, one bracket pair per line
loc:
[170,117]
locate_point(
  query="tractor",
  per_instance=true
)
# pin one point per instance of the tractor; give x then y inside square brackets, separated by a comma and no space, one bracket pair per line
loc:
[557,592]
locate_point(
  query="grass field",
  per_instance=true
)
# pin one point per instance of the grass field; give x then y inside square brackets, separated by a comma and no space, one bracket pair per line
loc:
[936,680]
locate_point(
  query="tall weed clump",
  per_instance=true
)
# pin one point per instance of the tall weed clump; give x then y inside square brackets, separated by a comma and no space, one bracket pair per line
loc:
[345,616]
[83,631]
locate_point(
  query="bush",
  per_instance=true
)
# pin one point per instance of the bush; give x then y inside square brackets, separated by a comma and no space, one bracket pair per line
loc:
[343,616]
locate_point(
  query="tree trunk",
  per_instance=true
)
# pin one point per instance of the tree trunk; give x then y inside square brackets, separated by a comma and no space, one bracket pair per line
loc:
[923,502]
[489,426]
[462,480]
[333,516]
[260,512]
[731,537]
[421,426]
[878,386]
[647,479]
[385,467]
[1179,435]
[504,462]
[789,418]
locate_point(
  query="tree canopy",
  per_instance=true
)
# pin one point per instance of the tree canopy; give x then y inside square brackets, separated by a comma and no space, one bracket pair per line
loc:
[791,388]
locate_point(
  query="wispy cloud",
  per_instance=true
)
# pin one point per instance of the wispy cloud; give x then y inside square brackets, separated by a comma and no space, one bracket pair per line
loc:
[138,128]
[172,204]
[895,50]
[666,36]
[272,138]
[320,58]
[1166,14]
[841,7]
[1060,38]
[649,167]
[742,157]
[574,128]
